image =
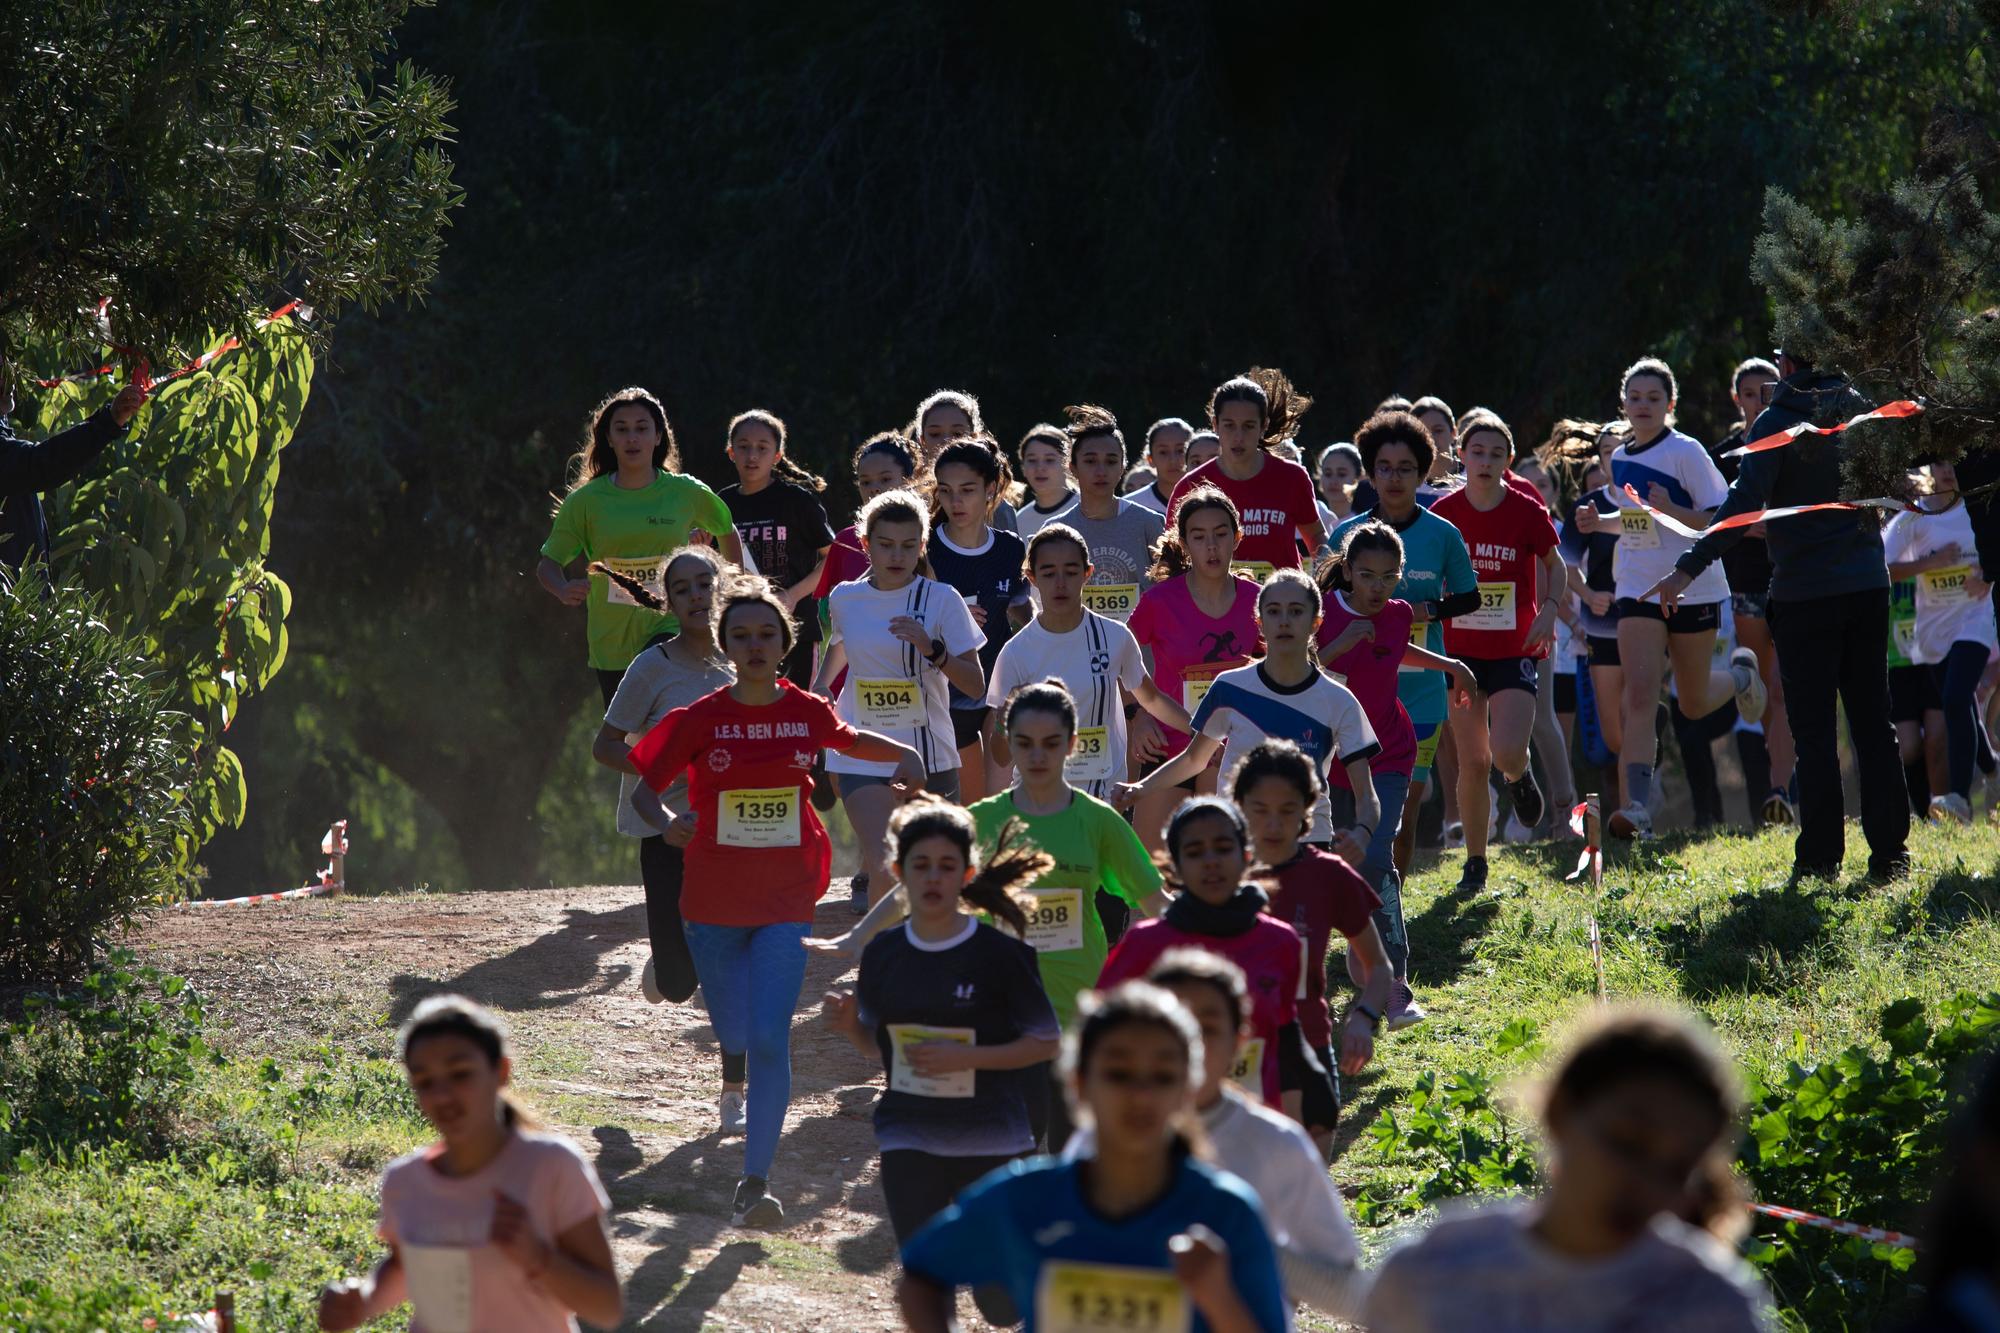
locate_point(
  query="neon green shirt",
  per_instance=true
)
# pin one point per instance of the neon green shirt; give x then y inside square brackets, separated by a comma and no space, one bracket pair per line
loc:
[632,531]
[1094,848]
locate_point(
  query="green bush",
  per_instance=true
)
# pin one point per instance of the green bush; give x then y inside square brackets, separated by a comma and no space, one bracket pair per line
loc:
[93,825]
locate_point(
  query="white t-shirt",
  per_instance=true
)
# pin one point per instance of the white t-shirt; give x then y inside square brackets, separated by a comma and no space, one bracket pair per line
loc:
[1320,715]
[890,688]
[1030,518]
[1094,660]
[1647,548]
[1148,498]
[1945,614]
[1486,1272]
[654,685]
[1568,650]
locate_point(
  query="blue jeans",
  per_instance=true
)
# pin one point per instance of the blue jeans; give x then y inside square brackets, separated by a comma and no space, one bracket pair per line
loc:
[750,980]
[1376,866]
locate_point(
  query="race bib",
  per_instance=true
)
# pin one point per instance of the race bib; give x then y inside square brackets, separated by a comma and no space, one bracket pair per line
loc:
[1496,609]
[758,817]
[1254,570]
[902,1078]
[1114,600]
[1248,1071]
[1194,691]
[1419,636]
[889,705]
[1090,761]
[1637,530]
[650,570]
[439,1280]
[1905,634]
[1055,918]
[1946,587]
[1109,1298]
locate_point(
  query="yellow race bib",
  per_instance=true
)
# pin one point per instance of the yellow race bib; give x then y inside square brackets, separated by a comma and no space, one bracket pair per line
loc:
[1946,587]
[1248,1071]
[1114,600]
[1419,635]
[1109,1298]
[1637,530]
[758,817]
[650,570]
[902,1078]
[1905,632]
[1254,570]
[889,705]
[1055,918]
[1090,761]
[1496,609]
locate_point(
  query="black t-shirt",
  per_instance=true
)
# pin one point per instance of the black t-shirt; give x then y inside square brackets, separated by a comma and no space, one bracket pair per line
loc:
[993,577]
[983,982]
[783,527]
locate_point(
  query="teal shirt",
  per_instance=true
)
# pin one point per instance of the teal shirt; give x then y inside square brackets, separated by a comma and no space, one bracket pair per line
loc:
[1435,565]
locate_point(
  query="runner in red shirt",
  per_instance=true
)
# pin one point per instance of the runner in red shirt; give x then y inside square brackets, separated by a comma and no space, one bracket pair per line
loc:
[1507,536]
[758,858]
[1273,496]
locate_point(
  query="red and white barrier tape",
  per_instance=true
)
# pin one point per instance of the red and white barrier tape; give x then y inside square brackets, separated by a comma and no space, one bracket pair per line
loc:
[333,879]
[1886,412]
[142,370]
[1672,524]
[1592,856]
[1878,1235]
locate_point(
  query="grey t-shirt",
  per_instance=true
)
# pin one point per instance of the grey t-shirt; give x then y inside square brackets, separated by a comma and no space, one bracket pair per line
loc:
[655,685]
[1485,1272]
[1121,547]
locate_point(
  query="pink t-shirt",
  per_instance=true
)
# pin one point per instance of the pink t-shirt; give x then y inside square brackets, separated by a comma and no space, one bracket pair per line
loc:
[439,1224]
[1370,669]
[1190,649]
[1274,505]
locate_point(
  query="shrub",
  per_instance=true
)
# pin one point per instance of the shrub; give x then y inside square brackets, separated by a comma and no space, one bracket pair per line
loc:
[92,820]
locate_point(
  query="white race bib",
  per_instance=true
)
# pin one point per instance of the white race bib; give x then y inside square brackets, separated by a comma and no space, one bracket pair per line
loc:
[902,1078]
[650,570]
[439,1280]
[1496,609]
[758,817]
[1090,761]
[1248,1071]
[889,705]
[1637,530]
[1946,587]
[1055,918]
[1109,1298]
[1114,600]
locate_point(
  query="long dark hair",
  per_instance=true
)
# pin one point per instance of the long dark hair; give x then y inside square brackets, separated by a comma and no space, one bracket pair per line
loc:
[784,469]
[456,1016]
[1170,556]
[1277,401]
[643,593]
[1139,1004]
[1373,535]
[594,456]
[1014,863]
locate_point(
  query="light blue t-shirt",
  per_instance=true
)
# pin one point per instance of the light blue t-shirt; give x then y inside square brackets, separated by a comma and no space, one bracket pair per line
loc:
[1435,565]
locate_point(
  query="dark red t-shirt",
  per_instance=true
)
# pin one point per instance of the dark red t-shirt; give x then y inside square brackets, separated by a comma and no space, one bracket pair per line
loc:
[1505,542]
[1273,506]
[1318,893]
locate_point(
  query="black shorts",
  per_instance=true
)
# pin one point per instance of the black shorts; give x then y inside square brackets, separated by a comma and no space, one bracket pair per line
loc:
[1913,692]
[1495,674]
[1686,619]
[966,724]
[1319,1099]
[1565,687]
[1601,649]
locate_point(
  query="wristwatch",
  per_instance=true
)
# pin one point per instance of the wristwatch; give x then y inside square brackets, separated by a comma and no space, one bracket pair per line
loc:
[937,655]
[1374,1019]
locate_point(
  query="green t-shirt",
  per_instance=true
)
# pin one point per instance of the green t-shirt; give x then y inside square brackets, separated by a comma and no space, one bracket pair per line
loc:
[1902,622]
[1094,848]
[632,531]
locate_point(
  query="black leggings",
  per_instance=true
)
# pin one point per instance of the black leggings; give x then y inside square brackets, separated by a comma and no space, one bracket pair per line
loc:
[1957,680]
[663,868]
[919,1186]
[1048,1109]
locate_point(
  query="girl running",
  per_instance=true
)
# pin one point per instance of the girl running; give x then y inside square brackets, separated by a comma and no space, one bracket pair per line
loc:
[1121,533]
[884,462]
[1441,476]
[775,504]
[1198,619]
[954,1010]
[1217,908]
[1202,446]
[628,505]
[984,564]
[1340,480]
[1143,1225]
[1166,454]
[1508,537]
[1954,627]
[1672,475]
[757,855]
[1366,640]
[1273,497]
[1318,1253]
[947,415]
[1636,1231]
[905,640]
[1590,558]
[496,1225]
[1044,455]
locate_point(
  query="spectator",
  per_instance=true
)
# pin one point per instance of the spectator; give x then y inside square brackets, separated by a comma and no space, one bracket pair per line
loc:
[28,468]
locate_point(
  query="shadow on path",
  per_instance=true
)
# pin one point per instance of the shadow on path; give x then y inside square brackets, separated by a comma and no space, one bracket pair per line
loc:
[555,968]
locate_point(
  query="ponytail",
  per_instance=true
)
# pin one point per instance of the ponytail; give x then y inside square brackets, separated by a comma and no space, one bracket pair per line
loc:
[637,589]
[784,469]
[1276,399]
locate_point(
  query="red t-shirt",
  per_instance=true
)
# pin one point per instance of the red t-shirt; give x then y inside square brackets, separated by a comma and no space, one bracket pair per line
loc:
[1504,542]
[760,856]
[1273,505]
[1319,894]
[1370,668]
[1273,961]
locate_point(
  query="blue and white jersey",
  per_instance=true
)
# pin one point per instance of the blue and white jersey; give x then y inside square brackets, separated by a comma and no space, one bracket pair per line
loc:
[1319,715]
[1647,548]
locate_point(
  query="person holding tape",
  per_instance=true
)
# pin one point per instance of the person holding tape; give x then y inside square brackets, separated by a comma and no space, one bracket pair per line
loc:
[758,858]
[628,506]
[1829,617]
[1273,497]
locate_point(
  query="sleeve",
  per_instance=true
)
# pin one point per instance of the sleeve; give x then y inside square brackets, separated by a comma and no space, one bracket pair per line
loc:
[385,1215]
[565,541]
[710,511]
[1253,1267]
[1129,958]
[1131,665]
[1003,680]
[1896,539]
[1572,542]
[1027,1000]
[1211,719]
[821,530]
[868,986]
[1314,1218]
[1143,617]
[970,1242]
[1354,902]
[1353,738]
[27,466]
[1301,499]
[666,750]
[1395,1298]
[1122,861]
[1458,575]
[1156,526]
[575,1194]
[633,699]
[1746,494]
[955,624]
[1704,480]
[829,730]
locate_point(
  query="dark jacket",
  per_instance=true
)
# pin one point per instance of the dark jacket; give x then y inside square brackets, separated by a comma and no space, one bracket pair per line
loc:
[28,468]
[1982,468]
[1812,555]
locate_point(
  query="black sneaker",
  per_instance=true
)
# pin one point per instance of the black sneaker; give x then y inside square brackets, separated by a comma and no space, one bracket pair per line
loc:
[1474,878]
[858,895]
[754,1206]
[1529,806]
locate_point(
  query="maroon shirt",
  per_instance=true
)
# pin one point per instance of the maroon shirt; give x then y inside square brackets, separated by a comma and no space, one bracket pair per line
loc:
[1317,894]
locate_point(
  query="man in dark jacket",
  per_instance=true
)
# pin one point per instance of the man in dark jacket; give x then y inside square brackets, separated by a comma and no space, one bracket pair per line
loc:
[27,468]
[1829,615]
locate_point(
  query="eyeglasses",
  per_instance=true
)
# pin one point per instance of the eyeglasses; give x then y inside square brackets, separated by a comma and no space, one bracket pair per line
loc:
[1402,473]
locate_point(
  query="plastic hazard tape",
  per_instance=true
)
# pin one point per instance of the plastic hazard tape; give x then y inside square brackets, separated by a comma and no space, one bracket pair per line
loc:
[1592,856]
[1886,412]
[1877,1235]
[1672,524]
[142,371]
[332,879]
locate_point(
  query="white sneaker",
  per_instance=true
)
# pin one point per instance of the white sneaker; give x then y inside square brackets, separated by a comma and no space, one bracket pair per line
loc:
[1404,1011]
[1751,699]
[649,982]
[1634,821]
[1454,834]
[1517,833]
[734,1117]
[1951,808]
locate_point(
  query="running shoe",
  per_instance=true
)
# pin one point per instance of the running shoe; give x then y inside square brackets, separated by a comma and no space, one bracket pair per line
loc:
[1778,809]
[1404,1011]
[1473,878]
[1516,833]
[1454,834]
[1529,807]
[858,895]
[1634,821]
[649,982]
[1750,699]
[754,1206]
[733,1117]
[1951,808]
